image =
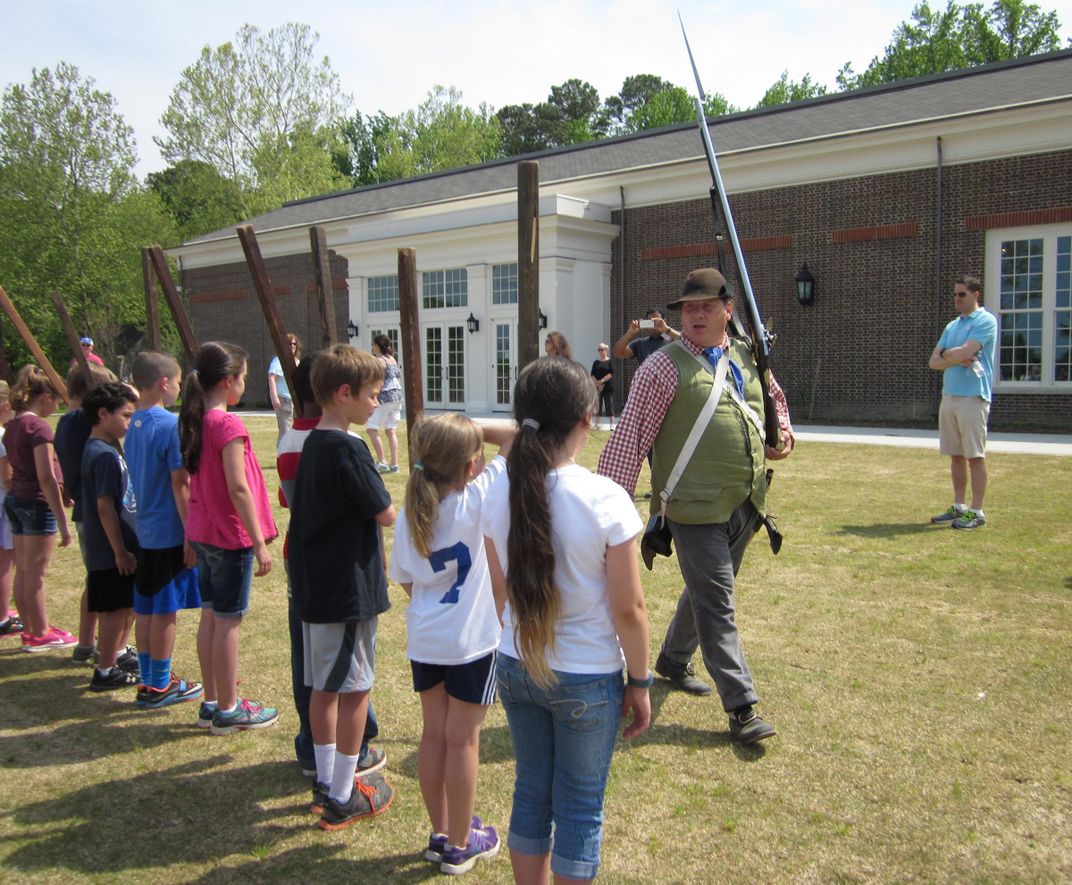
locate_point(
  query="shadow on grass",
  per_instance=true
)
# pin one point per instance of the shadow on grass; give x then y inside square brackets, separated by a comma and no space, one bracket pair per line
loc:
[190,813]
[886,529]
[316,863]
[1068,582]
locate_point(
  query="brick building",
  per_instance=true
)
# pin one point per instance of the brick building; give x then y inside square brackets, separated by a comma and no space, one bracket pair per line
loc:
[886,193]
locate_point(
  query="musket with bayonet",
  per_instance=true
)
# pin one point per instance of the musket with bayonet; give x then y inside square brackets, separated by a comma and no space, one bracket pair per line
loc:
[761,338]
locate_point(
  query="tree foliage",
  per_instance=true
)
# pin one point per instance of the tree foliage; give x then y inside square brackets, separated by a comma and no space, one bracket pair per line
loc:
[72,217]
[263,111]
[784,91]
[938,40]
[197,196]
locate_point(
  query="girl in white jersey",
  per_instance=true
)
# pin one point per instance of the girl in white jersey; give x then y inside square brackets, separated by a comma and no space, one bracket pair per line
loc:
[452,623]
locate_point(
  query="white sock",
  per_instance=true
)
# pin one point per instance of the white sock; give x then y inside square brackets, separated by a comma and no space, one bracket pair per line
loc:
[324,754]
[342,779]
[104,672]
[960,508]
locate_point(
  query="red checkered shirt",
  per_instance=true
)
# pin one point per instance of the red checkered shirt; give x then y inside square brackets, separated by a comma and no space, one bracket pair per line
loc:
[653,389]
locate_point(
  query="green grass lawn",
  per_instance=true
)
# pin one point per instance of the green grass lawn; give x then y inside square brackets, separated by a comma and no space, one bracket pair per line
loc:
[918,677]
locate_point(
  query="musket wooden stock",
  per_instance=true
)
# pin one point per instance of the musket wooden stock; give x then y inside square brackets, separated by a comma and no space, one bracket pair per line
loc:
[31,343]
[174,301]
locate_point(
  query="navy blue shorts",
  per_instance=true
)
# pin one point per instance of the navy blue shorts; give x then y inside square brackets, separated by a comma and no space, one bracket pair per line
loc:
[473,683]
[224,578]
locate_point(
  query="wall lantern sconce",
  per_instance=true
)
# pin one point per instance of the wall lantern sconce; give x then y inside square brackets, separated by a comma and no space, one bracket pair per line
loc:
[543,320]
[805,286]
[352,329]
[472,324]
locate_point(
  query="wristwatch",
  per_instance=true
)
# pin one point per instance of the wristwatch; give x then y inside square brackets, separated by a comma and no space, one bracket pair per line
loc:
[639,683]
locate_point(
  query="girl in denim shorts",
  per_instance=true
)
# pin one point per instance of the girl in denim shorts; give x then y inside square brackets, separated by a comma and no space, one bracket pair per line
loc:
[561,548]
[229,524]
[34,505]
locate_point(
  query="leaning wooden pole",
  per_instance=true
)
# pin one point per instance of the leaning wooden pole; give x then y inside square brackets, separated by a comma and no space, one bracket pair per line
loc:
[152,315]
[174,301]
[73,338]
[528,262]
[410,321]
[325,294]
[31,344]
[263,284]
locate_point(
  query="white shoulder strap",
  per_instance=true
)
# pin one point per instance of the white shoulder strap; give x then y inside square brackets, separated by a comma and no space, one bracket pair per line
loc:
[702,420]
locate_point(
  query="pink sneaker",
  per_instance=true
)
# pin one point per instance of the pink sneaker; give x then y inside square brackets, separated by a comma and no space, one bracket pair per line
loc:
[54,637]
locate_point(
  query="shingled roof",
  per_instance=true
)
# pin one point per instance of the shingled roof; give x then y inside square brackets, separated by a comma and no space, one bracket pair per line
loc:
[1037,79]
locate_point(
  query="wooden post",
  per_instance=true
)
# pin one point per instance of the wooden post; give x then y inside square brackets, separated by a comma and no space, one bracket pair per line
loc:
[31,343]
[152,315]
[174,301]
[325,294]
[528,262]
[410,321]
[263,284]
[73,338]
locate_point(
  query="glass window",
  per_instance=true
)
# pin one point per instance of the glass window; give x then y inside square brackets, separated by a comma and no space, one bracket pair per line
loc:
[1033,270]
[383,293]
[504,283]
[445,288]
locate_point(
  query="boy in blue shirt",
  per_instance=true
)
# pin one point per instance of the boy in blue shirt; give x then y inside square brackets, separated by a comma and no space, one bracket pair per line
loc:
[166,578]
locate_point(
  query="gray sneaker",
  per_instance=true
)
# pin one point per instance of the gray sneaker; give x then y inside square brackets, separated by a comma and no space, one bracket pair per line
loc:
[746,727]
[969,519]
[682,676]
[947,516]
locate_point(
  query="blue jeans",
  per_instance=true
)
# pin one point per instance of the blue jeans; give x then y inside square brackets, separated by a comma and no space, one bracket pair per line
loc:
[563,741]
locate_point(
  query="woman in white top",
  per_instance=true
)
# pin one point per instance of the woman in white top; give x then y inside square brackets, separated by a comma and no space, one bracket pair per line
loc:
[278,391]
[387,413]
[561,547]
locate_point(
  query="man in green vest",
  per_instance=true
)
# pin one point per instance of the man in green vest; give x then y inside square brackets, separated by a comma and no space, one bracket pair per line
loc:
[719,500]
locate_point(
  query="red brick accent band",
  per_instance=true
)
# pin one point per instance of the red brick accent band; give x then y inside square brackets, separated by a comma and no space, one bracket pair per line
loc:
[689,250]
[905,230]
[1018,219]
[223,295]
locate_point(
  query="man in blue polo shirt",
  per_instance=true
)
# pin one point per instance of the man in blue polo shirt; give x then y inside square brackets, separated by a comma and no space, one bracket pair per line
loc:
[965,356]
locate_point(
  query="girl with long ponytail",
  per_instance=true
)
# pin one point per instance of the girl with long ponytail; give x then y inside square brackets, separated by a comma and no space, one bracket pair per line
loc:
[561,546]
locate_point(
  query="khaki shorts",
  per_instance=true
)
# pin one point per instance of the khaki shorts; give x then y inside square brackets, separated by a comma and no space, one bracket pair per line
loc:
[962,426]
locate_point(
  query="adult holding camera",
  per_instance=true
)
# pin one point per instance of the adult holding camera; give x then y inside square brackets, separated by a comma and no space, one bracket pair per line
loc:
[644,337]
[719,500]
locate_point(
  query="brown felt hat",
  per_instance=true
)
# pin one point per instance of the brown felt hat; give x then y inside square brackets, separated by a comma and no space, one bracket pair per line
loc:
[700,285]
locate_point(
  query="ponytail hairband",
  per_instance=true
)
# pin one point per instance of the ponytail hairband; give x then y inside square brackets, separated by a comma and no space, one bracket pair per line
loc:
[417,465]
[531,422]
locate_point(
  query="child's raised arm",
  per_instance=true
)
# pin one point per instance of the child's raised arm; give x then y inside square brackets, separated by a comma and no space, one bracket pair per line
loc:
[500,434]
[234,470]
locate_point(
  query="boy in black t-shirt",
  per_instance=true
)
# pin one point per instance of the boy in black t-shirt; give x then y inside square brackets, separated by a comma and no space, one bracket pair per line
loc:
[110,538]
[338,581]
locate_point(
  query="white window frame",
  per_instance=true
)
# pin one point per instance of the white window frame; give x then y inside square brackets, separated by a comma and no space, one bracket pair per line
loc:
[1049,234]
[449,287]
[504,284]
[383,286]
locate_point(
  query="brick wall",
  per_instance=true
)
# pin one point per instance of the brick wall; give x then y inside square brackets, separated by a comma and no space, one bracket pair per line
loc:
[224,306]
[860,353]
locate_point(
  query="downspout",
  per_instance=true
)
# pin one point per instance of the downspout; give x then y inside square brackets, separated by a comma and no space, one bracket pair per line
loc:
[936,393]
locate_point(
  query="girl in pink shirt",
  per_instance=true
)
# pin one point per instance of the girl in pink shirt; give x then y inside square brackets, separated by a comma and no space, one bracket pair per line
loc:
[229,524]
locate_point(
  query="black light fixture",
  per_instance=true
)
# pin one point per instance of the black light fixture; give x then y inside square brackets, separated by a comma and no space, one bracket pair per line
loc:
[352,329]
[805,286]
[543,320]
[472,324]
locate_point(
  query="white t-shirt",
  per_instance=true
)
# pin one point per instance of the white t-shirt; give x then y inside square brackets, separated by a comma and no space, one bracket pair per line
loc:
[589,513]
[451,616]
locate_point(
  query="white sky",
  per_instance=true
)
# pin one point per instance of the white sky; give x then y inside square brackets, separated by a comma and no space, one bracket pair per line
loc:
[389,55]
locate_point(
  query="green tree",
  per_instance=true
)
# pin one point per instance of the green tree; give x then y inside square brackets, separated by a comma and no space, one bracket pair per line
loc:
[665,108]
[637,90]
[934,41]
[242,102]
[72,217]
[197,197]
[784,91]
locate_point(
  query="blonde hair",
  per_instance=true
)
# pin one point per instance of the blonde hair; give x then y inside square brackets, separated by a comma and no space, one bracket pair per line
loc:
[441,447]
[5,392]
[343,364]
[30,383]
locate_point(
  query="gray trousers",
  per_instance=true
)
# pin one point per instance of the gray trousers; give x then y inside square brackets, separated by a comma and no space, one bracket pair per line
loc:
[709,557]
